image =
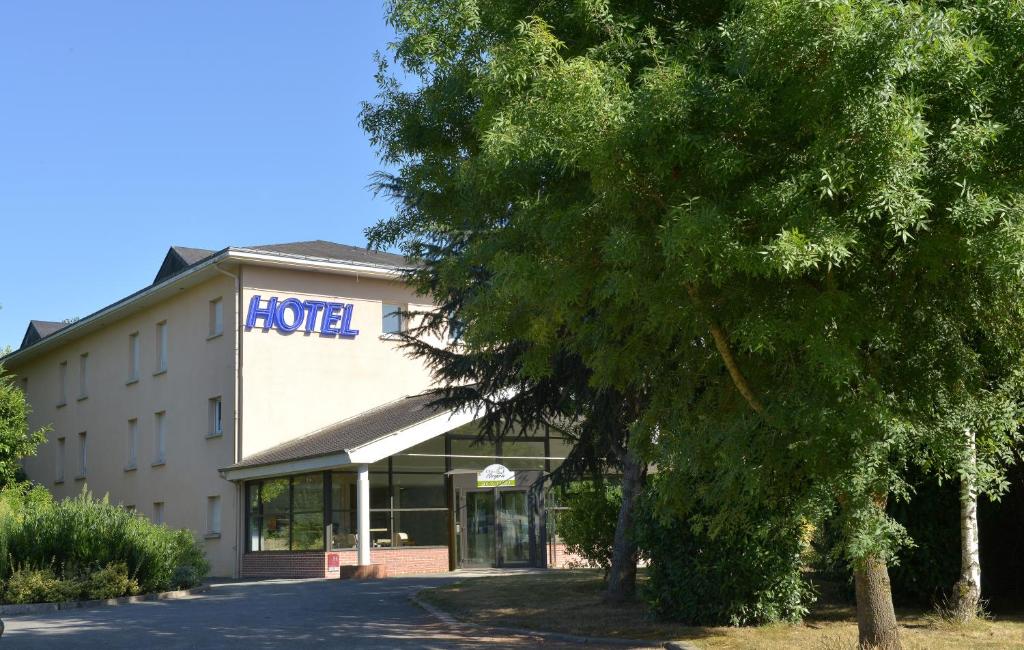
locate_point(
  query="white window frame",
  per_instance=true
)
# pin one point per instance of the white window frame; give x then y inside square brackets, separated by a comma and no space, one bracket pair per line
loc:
[62,388]
[216,317]
[133,444]
[159,438]
[384,317]
[61,455]
[83,376]
[161,345]
[134,357]
[83,454]
[215,415]
[213,516]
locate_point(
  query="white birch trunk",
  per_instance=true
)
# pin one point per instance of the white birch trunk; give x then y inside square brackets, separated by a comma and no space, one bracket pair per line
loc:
[969,585]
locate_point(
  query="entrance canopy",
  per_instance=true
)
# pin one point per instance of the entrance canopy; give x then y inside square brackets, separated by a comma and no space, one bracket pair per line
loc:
[362,439]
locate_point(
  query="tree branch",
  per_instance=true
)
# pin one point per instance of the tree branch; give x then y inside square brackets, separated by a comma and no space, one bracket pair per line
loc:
[725,351]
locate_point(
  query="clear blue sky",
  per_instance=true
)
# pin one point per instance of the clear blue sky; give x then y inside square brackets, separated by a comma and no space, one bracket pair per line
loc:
[126,127]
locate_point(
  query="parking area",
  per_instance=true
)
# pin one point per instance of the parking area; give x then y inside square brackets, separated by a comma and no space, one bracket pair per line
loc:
[263,614]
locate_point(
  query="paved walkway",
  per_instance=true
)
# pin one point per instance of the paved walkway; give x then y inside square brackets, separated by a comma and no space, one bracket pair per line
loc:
[265,614]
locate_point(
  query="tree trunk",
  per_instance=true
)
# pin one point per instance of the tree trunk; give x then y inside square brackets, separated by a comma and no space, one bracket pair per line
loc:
[622,575]
[876,619]
[967,591]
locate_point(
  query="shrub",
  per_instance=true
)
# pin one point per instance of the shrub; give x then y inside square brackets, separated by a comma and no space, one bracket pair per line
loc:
[83,535]
[40,586]
[185,577]
[724,579]
[587,526]
[112,581]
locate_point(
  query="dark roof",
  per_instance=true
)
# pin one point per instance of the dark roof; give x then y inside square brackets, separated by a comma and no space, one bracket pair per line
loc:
[178,259]
[348,434]
[39,330]
[331,251]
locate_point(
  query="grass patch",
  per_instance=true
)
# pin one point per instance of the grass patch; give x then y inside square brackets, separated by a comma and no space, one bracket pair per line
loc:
[569,601]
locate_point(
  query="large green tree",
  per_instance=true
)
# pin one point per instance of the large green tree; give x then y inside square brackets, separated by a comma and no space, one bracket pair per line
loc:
[795,225]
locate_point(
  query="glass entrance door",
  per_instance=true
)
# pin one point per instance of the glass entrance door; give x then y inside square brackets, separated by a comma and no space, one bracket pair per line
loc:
[480,529]
[514,528]
[496,530]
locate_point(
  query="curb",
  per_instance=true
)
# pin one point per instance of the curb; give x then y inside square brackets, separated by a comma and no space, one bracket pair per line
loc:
[43,608]
[448,619]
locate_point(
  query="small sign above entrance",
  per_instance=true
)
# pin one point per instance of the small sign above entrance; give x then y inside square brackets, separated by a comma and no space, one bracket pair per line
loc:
[496,476]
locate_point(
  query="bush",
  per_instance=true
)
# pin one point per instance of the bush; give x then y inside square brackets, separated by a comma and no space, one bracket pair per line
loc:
[185,577]
[39,586]
[725,579]
[85,536]
[587,526]
[112,581]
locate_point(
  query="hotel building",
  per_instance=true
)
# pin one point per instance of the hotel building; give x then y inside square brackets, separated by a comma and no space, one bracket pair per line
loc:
[258,396]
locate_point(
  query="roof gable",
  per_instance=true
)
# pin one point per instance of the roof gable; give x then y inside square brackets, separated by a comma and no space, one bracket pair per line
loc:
[39,329]
[178,259]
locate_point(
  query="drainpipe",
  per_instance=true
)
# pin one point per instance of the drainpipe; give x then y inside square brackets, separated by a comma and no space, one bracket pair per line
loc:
[237,418]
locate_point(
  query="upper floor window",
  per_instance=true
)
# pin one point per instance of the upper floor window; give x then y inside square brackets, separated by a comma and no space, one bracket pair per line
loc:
[83,376]
[62,388]
[159,438]
[133,443]
[216,417]
[216,317]
[59,475]
[134,356]
[83,455]
[391,319]
[161,346]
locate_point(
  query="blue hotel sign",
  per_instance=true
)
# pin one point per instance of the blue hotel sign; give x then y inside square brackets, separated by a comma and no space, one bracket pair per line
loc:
[291,314]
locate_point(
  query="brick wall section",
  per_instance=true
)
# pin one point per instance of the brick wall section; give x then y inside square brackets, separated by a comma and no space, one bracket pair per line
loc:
[408,560]
[284,565]
[559,558]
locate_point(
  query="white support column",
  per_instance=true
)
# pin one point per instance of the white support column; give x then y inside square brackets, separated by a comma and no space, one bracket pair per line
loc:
[363,515]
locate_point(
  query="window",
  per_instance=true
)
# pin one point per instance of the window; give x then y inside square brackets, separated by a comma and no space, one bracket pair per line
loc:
[60,460]
[158,512]
[133,443]
[456,328]
[216,317]
[83,455]
[62,388]
[391,319]
[24,386]
[83,376]
[159,437]
[213,515]
[161,338]
[133,357]
[216,418]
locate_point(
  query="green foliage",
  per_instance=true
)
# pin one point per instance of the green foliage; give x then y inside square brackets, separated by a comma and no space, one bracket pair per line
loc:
[26,585]
[80,536]
[700,578]
[588,525]
[16,440]
[112,581]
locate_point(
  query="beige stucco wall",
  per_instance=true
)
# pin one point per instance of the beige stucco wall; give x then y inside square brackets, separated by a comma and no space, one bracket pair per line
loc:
[295,383]
[198,369]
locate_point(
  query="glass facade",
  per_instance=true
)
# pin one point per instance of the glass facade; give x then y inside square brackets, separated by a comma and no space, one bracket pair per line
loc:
[410,497]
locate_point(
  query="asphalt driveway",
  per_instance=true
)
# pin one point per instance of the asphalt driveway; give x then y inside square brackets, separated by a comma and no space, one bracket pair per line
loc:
[264,614]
